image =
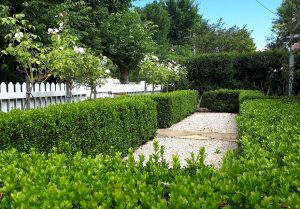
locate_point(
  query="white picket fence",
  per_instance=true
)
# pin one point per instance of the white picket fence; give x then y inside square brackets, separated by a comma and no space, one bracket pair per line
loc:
[13,96]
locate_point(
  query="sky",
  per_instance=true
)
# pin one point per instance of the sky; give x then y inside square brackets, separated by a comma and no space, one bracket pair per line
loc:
[240,13]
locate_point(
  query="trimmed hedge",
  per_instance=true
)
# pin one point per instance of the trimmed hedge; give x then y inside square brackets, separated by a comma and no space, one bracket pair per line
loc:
[227,100]
[91,127]
[240,71]
[222,100]
[265,173]
[250,94]
[175,106]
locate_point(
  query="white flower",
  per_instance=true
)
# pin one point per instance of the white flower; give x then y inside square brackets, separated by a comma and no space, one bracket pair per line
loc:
[61,48]
[19,36]
[50,30]
[107,71]
[155,58]
[61,26]
[79,50]
[172,50]
[53,31]
[61,14]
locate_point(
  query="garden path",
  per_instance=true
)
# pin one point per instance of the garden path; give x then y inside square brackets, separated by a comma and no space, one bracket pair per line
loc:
[216,132]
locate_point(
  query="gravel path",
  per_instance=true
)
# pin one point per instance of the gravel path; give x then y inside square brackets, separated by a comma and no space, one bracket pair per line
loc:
[216,132]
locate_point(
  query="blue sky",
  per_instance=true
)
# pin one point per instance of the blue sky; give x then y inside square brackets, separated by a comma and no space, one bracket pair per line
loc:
[240,13]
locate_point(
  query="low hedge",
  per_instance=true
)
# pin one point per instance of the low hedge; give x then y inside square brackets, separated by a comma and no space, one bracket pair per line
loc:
[223,100]
[265,173]
[227,100]
[91,127]
[175,106]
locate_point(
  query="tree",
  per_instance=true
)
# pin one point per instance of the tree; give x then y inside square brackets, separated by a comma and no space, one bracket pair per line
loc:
[126,39]
[154,71]
[217,38]
[27,50]
[287,22]
[184,17]
[160,17]
[112,6]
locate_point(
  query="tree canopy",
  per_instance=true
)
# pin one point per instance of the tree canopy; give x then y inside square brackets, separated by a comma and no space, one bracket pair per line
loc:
[172,29]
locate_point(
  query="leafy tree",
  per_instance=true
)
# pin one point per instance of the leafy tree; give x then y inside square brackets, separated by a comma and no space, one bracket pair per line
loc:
[184,17]
[126,39]
[156,13]
[217,38]
[27,50]
[112,6]
[286,23]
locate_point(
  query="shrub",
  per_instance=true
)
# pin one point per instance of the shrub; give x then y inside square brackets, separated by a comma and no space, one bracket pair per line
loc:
[249,94]
[265,173]
[174,106]
[91,126]
[223,100]
[227,100]
[240,71]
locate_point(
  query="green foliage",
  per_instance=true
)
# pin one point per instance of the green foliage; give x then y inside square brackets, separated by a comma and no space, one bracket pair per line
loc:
[286,22]
[24,46]
[260,70]
[184,17]
[227,100]
[211,38]
[222,100]
[249,94]
[175,106]
[154,71]
[160,17]
[126,40]
[91,127]
[267,171]
[264,174]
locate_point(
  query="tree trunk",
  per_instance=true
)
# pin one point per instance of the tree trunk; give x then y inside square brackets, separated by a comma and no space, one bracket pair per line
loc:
[124,74]
[69,90]
[28,93]
[153,87]
[95,92]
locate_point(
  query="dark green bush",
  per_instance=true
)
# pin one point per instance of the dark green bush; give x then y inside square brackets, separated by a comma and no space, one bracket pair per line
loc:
[91,126]
[227,100]
[241,71]
[175,106]
[265,173]
[223,100]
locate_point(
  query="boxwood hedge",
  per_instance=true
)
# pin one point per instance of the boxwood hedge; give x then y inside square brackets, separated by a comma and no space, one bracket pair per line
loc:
[227,100]
[265,173]
[175,106]
[91,127]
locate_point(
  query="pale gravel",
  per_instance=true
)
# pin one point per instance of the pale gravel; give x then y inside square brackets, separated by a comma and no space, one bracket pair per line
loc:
[183,147]
[208,122]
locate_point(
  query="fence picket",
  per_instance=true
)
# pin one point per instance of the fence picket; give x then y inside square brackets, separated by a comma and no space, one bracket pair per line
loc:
[12,96]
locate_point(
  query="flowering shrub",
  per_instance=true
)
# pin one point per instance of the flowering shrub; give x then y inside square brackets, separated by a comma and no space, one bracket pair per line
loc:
[27,50]
[155,71]
[73,63]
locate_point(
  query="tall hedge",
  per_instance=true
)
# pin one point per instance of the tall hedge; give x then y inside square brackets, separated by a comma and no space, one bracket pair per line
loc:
[175,106]
[91,127]
[240,71]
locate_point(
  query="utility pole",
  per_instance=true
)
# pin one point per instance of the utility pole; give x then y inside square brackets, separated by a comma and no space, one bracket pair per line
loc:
[292,60]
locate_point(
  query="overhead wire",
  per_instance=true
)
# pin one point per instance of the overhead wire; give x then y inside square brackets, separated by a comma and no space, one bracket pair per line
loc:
[266,7]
